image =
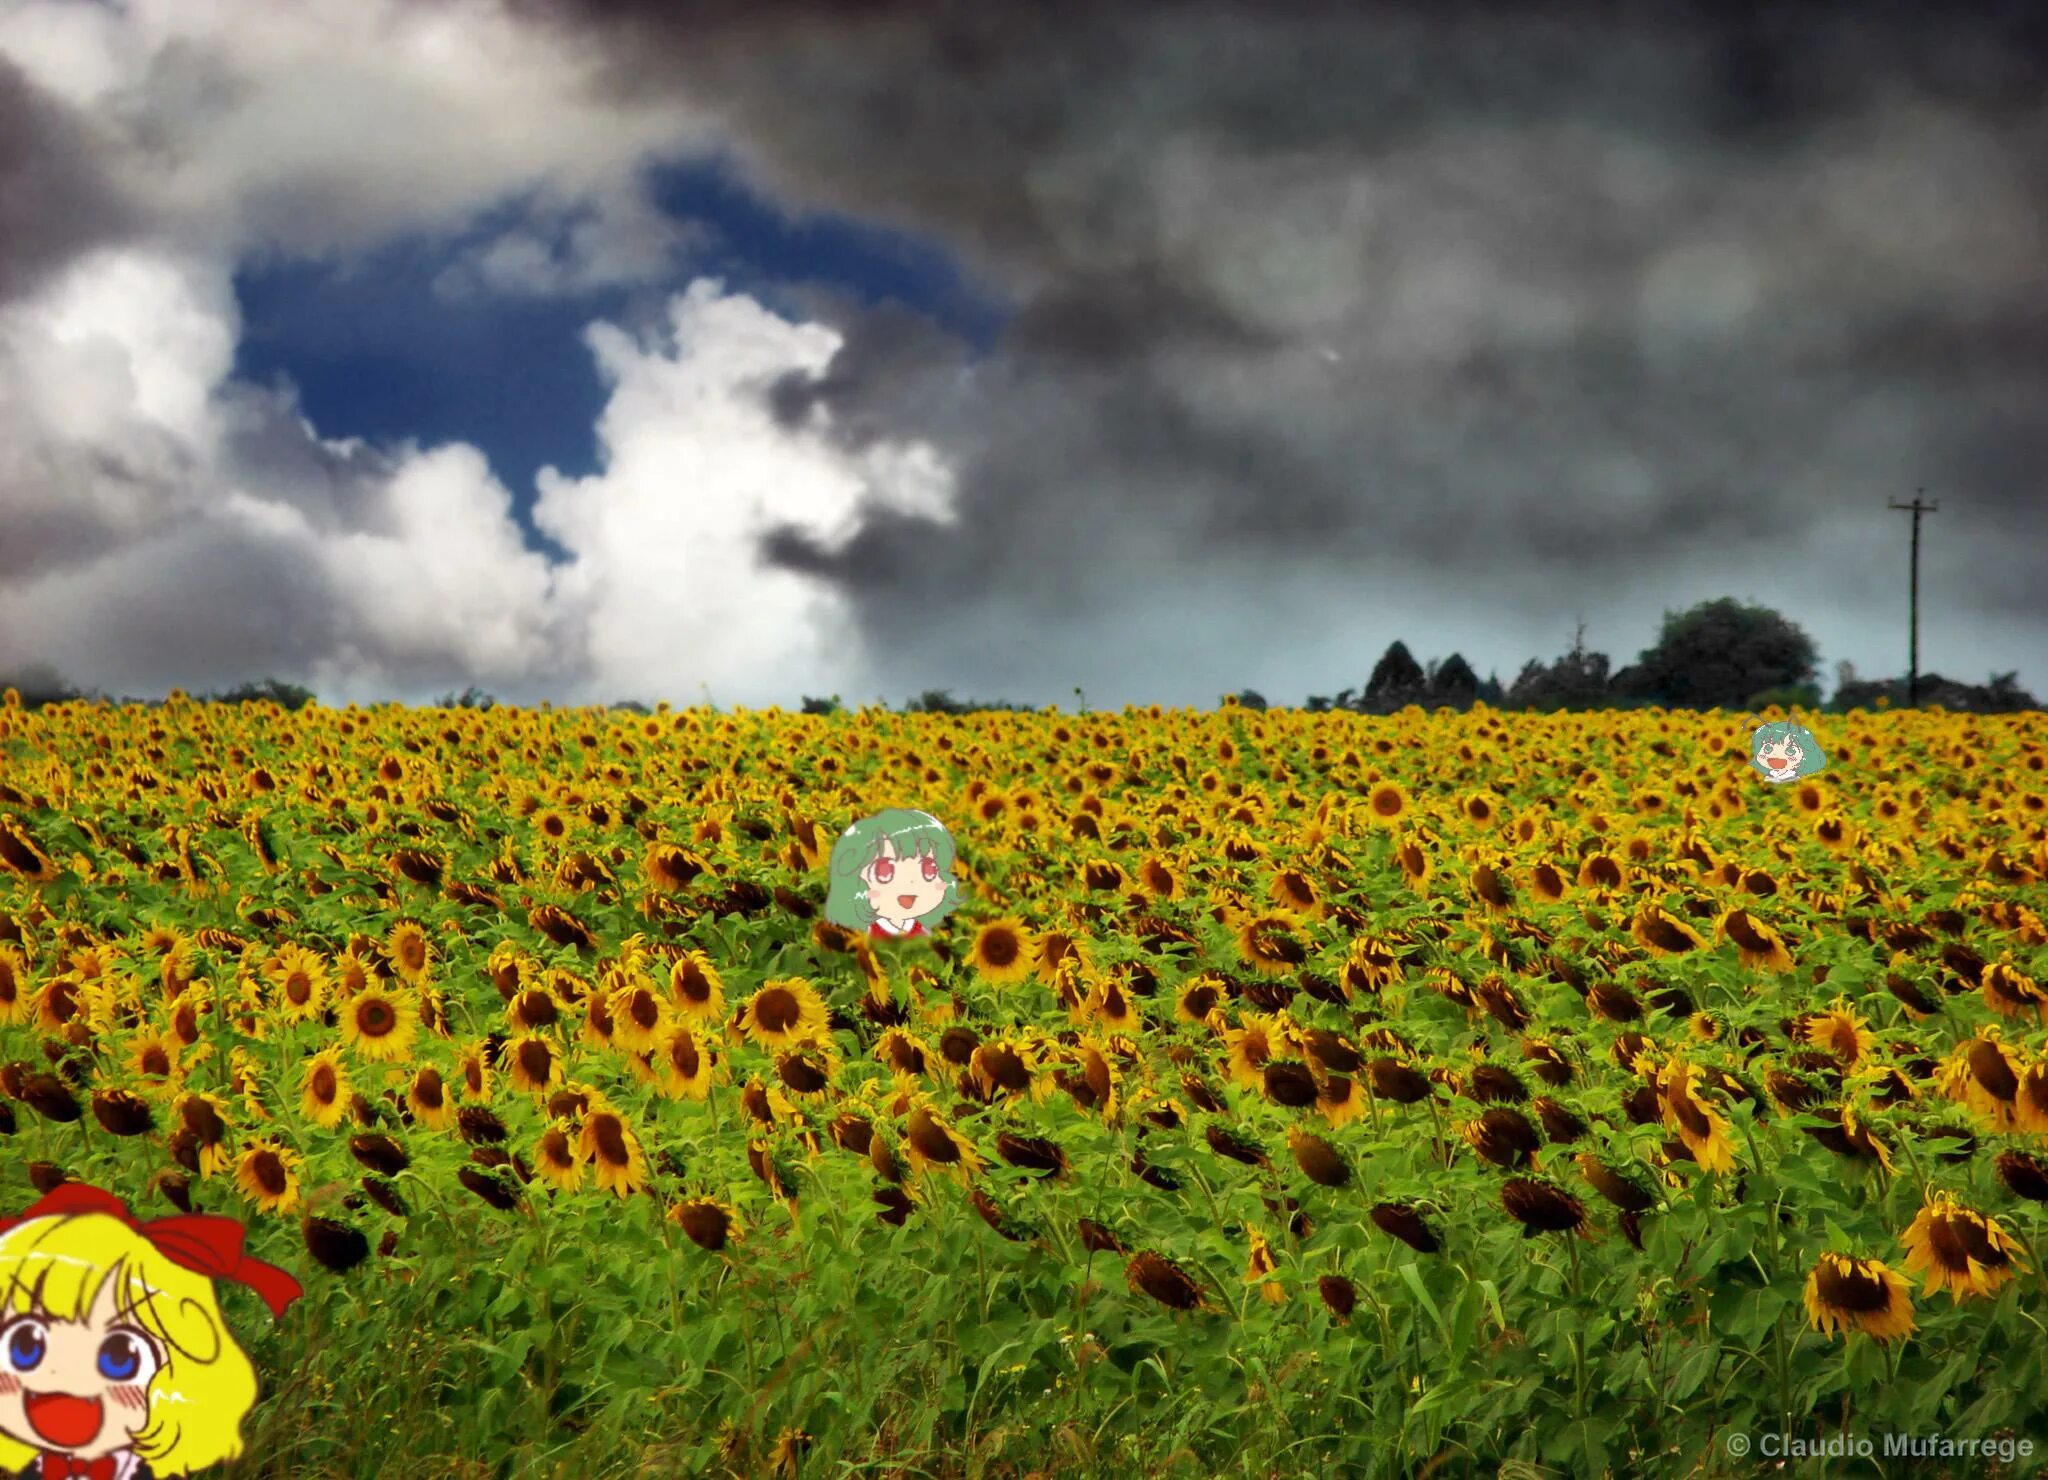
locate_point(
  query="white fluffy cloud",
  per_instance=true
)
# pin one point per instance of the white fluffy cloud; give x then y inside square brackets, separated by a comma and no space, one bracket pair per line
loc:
[161,523]
[177,546]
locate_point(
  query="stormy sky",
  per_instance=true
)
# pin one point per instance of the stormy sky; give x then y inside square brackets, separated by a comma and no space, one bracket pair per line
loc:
[601,350]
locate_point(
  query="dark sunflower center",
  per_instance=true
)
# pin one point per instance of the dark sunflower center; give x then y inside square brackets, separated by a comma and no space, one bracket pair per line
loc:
[643,1009]
[298,988]
[610,1137]
[692,984]
[1852,1287]
[155,1062]
[777,1010]
[999,948]
[427,1089]
[1386,803]
[375,1019]
[323,1085]
[535,1060]
[683,1054]
[269,1173]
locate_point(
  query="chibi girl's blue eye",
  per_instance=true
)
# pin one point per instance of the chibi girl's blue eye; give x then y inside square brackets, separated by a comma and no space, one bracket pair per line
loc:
[27,1342]
[126,1357]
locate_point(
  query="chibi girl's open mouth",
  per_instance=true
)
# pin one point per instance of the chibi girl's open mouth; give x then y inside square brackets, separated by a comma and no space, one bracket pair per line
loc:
[906,900]
[63,1419]
[1776,762]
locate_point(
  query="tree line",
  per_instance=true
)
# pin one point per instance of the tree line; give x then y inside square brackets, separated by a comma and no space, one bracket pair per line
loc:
[1721,654]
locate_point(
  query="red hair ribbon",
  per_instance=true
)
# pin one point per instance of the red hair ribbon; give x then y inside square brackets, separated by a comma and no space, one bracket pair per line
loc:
[201,1242]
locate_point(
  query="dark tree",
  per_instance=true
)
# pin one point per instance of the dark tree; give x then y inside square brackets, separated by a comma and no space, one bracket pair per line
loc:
[814,705]
[1722,655]
[39,684]
[275,691]
[1578,680]
[1250,699]
[1396,675]
[1453,682]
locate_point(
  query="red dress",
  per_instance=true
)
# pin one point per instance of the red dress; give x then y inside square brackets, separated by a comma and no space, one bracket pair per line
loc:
[916,928]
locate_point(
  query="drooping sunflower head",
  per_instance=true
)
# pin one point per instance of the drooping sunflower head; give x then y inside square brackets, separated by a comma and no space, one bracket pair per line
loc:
[1851,1294]
[1959,1249]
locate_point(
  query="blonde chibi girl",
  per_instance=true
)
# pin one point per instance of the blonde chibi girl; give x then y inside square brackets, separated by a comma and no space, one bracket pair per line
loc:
[115,1363]
[1783,751]
[891,873]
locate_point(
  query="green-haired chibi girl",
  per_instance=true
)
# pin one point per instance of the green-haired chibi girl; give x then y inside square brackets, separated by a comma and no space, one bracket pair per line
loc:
[891,873]
[1783,751]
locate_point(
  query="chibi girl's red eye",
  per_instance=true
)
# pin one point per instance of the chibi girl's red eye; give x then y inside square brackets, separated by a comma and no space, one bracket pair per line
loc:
[931,868]
[885,870]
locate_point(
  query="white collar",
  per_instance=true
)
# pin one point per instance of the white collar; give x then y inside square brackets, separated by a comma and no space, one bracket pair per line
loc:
[895,929]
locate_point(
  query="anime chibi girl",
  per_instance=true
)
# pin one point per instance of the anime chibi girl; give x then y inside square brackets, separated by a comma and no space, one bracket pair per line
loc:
[892,873]
[1783,751]
[115,1362]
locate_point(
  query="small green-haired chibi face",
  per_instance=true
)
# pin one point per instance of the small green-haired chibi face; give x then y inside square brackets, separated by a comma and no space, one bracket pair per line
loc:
[1783,751]
[891,874]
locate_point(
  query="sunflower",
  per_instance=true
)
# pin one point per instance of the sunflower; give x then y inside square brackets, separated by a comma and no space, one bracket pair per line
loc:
[1002,951]
[1268,943]
[904,1054]
[1340,1099]
[559,1156]
[1982,1074]
[1371,965]
[325,1094]
[1165,1281]
[1840,1031]
[1858,1295]
[1702,1128]
[785,1011]
[1109,1006]
[353,971]
[153,1057]
[1664,934]
[378,1025]
[1157,878]
[2009,992]
[1260,1268]
[14,985]
[1960,1249]
[409,949]
[612,1151]
[636,1014]
[1009,1067]
[473,1065]
[1411,852]
[696,989]
[203,1123]
[1756,943]
[532,1063]
[267,1175]
[427,1098]
[685,1064]
[533,1009]
[934,1144]
[1052,950]
[1251,1045]
[1386,804]
[710,1224]
[1541,1207]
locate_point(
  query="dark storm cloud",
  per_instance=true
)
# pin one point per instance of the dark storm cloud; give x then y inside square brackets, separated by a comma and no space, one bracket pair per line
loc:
[1529,299]
[54,199]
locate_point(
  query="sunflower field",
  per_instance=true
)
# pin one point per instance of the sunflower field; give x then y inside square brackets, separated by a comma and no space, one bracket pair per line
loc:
[1292,1094]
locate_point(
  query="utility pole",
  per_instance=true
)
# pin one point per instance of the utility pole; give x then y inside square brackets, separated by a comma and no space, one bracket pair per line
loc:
[1916,509]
